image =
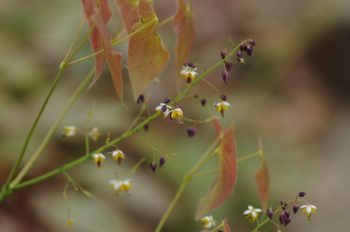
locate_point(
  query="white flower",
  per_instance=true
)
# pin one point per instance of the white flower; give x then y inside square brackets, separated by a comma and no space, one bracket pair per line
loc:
[69,131]
[98,159]
[252,214]
[164,108]
[189,72]
[221,107]
[118,155]
[176,113]
[94,134]
[308,210]
[121,185]
[207,222]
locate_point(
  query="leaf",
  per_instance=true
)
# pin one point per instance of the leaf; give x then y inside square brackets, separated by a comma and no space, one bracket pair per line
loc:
[98,14]
[224,184]
[147,56]
[184,27]
[226,226]
[262,181]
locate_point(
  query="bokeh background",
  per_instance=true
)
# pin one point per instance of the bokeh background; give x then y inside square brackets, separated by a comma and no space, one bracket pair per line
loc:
[293,93]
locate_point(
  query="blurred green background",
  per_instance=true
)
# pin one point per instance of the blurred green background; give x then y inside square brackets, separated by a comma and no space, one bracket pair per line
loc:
[293,93]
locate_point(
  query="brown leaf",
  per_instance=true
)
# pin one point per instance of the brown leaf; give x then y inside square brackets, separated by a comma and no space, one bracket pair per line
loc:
[262,181]
[226,180]
[147,56]
[183,25]
[226,226]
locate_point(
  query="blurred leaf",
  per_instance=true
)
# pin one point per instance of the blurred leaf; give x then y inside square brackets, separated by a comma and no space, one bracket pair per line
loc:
[224,184]
[262,181]
[226,226]
[183,25]
[98,14]
[147,56]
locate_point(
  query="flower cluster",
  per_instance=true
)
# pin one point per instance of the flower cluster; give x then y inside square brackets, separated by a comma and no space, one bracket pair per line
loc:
[121,185]
[245,47]
[117,155]
[228,66]
[173,112]
[153,165]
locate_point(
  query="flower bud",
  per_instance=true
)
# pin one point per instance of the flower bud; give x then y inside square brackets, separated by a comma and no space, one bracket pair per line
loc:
[161,161]
[191,132]
[270,213]
[302,194]
[153,166]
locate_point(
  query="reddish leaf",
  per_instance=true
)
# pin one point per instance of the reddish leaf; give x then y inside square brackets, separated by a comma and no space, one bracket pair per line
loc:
[262,181]
[183,25]
[98,13]
[224,184]
[146,54]
[226,226]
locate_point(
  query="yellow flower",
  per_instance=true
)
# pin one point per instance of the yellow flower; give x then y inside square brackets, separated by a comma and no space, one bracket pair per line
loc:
[94,134]
[308,210]
[221,107]
[207,222]
[176,113]
[252,214]
[69,221]
[121,185]
[98,159]
[69,131]
[118,155]
[189,72]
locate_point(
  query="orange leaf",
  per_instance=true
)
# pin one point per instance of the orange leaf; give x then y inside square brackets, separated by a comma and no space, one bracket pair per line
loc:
[262,181]
[224,184]
[183,25]
[226,226]
[147,56]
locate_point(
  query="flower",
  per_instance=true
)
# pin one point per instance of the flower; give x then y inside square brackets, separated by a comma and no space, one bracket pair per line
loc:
[69,221]
[118,155]
[189,72]
[164,108]
[94,134]
[308,210]
[98,159]
[252,214]
[121,185]
[207,222]
[191,132]
[69,131]
[222,107]
[176,113]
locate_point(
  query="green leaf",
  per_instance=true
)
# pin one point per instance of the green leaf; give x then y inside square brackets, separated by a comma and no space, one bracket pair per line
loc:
[262,181]
[184,27]
[225,182]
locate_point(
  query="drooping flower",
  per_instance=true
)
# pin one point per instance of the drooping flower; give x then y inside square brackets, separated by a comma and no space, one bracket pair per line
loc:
[69,131]
[221,107]
[176,113]
[308,210]
[121,185]
[189,72]
[165,109]
[207,222]
[94,134]
[118,155]
[252,214]
[98,159]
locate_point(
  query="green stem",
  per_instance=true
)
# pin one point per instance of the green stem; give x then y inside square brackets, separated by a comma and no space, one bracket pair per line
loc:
[52,130]
[184,183]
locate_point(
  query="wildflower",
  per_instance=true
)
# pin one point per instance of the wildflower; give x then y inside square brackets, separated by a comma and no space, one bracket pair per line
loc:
[98,159]
[94,134]
[164,108]
[207,222]
[121,185]
[191,132]
[153,166]
[252,214]
[140,99]
[69,131]
[176,113]
[222,107]
[69,221]
[189,72]
[161,161]
[118,155]
[309,210]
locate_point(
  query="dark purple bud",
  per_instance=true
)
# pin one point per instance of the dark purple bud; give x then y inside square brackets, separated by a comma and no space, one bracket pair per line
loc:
[164,108]
[239,54]
[269,213]
[286,213]
[140,99]
[225,76]
[167,100]
[223,97]
[161,161]
[249,50]
[203,101]
[228,66]
[241,47]
[190,64]
[295,208]
[283,204]
[251,42]
[153,166]
[302,194]
[286,221]
[223,54]
[191,132]
[146,127]
[281,218]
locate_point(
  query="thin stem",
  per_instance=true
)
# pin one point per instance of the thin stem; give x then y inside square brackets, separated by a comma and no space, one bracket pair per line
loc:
[184,183]
[53,128]
[249,156]
[197,121]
